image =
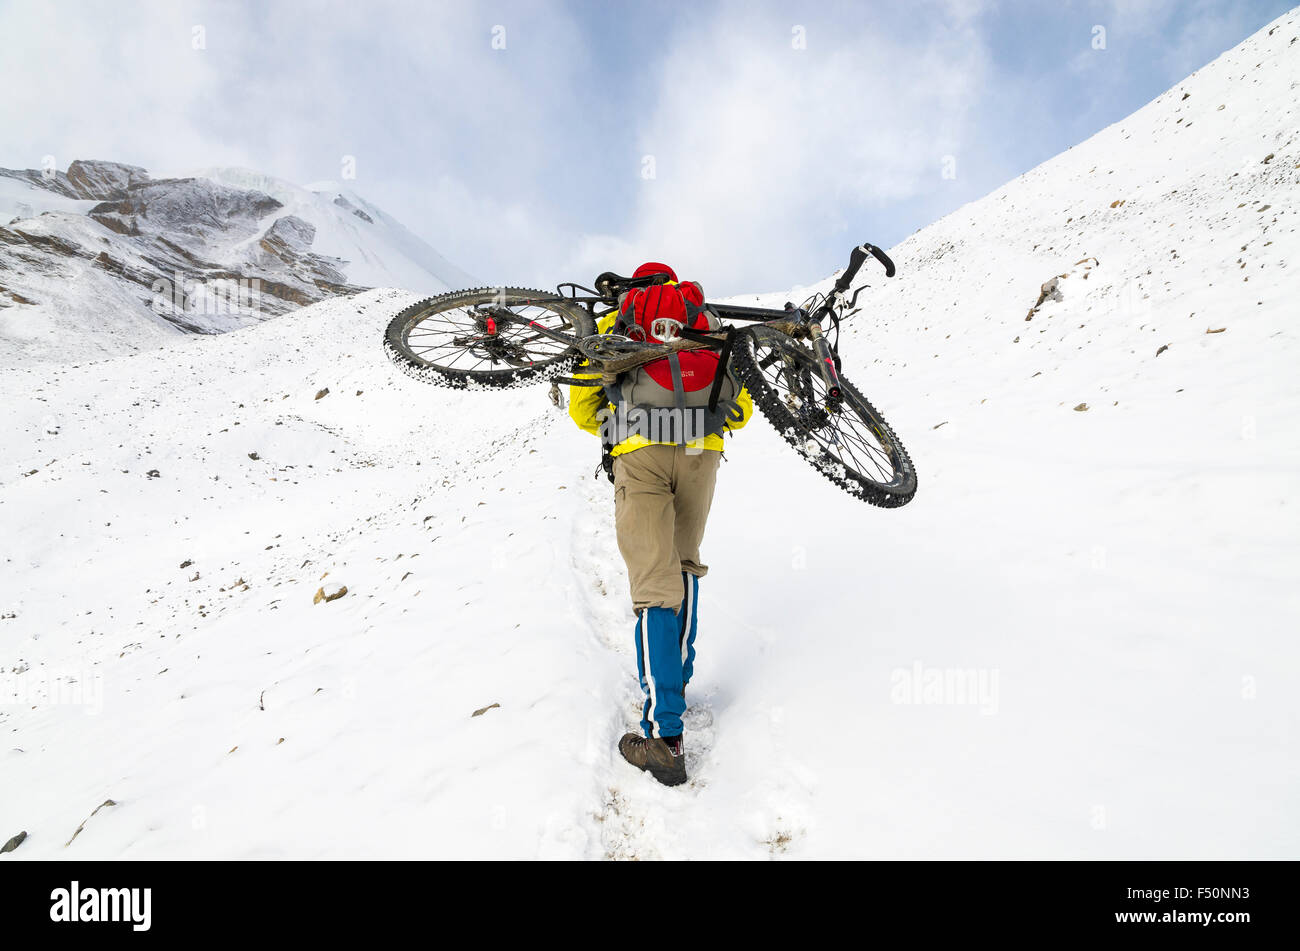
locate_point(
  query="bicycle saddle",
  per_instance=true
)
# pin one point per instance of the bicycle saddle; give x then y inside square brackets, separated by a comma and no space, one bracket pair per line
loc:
[611,285]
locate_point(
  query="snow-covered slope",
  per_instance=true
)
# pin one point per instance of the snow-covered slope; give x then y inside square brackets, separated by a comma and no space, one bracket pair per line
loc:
[1115,585]
[105,260]
[380,250]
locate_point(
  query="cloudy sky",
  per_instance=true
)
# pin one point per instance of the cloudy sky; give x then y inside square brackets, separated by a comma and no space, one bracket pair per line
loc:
[748,143]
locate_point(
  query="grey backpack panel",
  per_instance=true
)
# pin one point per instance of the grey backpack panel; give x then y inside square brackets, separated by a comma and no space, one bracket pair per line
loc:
[645,408]
[640,389]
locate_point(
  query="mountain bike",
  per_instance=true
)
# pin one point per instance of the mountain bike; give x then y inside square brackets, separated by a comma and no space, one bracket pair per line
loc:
[501,337]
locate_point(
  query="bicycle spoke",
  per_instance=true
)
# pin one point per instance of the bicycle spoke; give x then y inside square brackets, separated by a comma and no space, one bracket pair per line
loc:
[490,336]
[840,430]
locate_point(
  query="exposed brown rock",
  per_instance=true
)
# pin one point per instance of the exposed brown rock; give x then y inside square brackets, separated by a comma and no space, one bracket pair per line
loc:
[322,596]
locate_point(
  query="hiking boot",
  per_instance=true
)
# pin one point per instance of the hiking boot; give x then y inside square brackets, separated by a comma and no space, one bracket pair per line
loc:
[664,758]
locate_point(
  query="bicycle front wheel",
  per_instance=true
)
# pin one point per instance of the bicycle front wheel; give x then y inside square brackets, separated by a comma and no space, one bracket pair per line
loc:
[844,438]
[486,337]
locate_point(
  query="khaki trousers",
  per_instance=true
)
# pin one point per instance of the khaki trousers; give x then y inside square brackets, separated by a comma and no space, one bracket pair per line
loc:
[662,496]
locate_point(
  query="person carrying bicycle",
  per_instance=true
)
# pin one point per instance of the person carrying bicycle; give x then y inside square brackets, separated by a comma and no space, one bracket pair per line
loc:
[661,407]
[663,439]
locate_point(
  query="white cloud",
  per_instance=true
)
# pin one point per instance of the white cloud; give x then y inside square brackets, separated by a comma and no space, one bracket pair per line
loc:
[414,93]
[524,164]
[756,143]
[95,81]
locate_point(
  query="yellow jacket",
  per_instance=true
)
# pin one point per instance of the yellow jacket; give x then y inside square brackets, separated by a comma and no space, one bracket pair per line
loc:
[587,402]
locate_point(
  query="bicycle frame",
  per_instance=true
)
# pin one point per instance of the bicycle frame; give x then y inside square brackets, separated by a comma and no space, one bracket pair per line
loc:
[793,321]
[799,326]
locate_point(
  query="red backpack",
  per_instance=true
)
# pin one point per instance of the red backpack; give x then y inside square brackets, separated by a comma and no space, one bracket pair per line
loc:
[680,383]
[655,314]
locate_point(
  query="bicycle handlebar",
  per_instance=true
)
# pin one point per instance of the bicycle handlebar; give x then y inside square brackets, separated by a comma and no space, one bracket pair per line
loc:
[855,262]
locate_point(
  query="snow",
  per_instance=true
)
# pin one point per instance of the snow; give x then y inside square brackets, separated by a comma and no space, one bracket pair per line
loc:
[381,252]
[58,327]
[1078,641]
[18,199]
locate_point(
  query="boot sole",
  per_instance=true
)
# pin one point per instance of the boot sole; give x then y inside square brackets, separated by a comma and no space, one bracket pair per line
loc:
[666,777]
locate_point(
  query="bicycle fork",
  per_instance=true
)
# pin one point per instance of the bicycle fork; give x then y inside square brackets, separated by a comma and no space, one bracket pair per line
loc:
[825,360]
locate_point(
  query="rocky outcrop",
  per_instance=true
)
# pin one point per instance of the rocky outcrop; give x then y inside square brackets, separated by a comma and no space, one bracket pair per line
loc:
[288,235]
[85,179]
[288,242]
[184,206]
[103,181]
[348,206]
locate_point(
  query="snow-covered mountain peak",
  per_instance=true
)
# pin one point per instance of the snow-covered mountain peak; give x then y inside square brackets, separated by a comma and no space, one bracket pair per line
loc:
[125,261]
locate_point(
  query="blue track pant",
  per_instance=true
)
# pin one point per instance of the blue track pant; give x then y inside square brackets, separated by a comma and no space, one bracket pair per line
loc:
[665,660]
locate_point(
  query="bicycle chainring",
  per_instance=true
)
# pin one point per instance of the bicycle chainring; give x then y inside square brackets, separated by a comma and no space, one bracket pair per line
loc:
[599,348]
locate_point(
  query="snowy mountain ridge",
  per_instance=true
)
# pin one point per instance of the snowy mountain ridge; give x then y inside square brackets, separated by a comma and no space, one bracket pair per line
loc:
[104,259]
[1077,642]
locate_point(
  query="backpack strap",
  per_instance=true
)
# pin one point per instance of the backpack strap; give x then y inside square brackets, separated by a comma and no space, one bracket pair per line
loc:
[620,326]
[724,365]
[679,396]
[614,393]
[679,391]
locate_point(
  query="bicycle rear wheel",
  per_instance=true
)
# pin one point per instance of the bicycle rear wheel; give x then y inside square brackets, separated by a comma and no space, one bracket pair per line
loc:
[482,337]
[844,439]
